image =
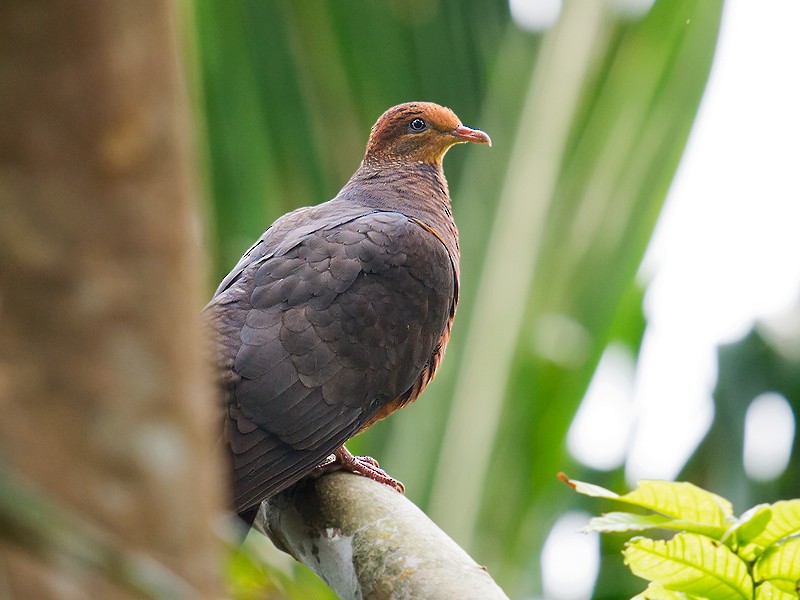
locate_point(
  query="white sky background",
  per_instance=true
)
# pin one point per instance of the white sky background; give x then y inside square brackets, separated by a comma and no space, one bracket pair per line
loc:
[727,248]
[726,252]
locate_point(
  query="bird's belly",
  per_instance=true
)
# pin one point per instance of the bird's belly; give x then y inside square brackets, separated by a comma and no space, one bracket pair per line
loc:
[425,377]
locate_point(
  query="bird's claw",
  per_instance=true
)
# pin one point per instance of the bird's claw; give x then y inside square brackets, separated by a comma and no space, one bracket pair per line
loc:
[367,466]
[369,460]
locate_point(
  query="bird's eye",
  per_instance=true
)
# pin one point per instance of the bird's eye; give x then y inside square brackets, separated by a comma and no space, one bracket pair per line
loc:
[417,125]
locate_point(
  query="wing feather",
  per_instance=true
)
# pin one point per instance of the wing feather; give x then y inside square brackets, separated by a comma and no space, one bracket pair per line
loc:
[323,327]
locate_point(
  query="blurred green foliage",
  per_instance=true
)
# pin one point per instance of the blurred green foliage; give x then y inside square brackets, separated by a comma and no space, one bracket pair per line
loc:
[756,364]
[588,120]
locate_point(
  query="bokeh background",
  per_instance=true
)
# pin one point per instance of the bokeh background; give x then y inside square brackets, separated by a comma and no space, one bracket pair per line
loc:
[583,343]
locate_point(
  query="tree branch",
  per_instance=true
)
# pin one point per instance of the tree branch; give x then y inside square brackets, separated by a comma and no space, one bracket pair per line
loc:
[367,541]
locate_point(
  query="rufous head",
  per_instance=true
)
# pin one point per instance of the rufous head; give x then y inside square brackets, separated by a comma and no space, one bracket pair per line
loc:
[418,132]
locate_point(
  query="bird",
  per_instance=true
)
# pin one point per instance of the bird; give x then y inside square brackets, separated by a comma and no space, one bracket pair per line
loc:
[340,313]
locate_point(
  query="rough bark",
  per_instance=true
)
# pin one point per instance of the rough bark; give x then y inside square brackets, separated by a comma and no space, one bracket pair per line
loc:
[366,541]
[105,400]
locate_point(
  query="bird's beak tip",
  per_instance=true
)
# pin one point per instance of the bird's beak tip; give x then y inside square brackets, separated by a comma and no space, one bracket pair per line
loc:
[467,134]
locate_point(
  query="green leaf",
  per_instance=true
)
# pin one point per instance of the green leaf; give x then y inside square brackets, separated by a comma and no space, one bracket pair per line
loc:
[785,521]
[620,522]
[768,591]
[656,591]
[681,500]
[693,564]
[677,500]
[780,565]
[749,525]
[588,489]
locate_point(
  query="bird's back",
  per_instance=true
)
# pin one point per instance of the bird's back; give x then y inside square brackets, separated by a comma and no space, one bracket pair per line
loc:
[337,316]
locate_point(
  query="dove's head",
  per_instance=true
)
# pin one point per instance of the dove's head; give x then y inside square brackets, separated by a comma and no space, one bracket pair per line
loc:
[418,132]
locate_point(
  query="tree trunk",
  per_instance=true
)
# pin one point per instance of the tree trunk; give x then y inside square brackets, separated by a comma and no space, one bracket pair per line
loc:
[103,388]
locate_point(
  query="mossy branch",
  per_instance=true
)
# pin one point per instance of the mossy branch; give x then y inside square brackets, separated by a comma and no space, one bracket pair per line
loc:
[365,540]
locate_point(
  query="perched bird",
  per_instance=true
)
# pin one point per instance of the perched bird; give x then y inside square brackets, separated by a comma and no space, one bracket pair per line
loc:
[340,313]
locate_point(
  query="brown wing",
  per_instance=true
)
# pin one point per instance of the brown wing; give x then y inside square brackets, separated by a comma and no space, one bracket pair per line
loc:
[323,336]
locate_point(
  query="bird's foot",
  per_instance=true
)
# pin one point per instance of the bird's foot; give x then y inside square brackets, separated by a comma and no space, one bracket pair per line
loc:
[343,460]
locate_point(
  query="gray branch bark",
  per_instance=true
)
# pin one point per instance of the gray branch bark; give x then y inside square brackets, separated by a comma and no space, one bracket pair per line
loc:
[366,541]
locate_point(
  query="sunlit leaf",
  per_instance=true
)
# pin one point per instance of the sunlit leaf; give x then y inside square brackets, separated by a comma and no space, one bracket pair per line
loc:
[620,522]
[785,521]
[749,525]
[677,500]
[588,489]
[656,591]
[768,591]
[693,564]
[681,500]
[780,565]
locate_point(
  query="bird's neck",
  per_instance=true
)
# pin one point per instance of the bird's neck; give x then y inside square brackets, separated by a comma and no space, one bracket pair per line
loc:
[416,189]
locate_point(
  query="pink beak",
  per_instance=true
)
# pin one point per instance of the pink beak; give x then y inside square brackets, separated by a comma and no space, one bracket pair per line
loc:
[467,134]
